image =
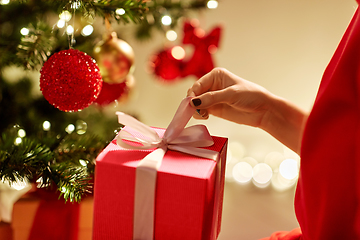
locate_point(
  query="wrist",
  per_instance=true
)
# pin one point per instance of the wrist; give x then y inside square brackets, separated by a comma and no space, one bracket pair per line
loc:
[284,121]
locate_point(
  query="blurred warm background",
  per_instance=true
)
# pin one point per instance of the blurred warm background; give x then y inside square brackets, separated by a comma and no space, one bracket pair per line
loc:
[280,44]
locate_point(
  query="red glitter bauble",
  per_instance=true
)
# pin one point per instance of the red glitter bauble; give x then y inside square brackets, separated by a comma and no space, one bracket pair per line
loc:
[70,80]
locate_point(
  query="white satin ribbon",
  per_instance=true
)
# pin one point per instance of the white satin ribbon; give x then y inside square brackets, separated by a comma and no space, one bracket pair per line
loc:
[177,138]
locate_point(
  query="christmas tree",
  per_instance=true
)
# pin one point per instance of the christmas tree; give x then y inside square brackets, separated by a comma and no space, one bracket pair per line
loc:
[40,143]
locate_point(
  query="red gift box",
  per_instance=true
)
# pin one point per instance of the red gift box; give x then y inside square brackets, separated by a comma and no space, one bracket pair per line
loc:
[150,189]
[186,204]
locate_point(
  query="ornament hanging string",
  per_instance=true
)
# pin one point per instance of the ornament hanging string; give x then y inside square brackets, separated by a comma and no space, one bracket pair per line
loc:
[71,37]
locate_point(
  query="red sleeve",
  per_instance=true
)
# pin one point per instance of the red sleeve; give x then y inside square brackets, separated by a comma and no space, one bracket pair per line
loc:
[292,235]
[328,191]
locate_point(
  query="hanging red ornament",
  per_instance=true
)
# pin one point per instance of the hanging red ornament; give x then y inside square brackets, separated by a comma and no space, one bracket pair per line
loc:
[115,58]
[70,80]
[205,45]
[115,92]
[171,64]
[166,66]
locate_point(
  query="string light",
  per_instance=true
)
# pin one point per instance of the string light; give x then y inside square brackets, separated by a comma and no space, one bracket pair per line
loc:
[212,4]
[120,11]
[65,15]
[46,125]
[69,30]
[166,20]
[61,23]
[18,140]
[83,162]
[87,30]
[4,2]
[24,31]
[21,133]
[70,128]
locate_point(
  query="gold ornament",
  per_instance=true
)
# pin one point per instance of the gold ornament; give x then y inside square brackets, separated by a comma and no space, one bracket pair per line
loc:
[115,59]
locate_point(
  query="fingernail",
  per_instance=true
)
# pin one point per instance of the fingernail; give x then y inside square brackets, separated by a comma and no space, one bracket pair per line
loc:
[196,102]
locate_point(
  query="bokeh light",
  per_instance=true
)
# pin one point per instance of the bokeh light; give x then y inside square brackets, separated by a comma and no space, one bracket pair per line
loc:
[24,31]
[65,15]
[242,172]
[87,30]
[46,125]
[120,11]
[166,20]
[289,169]
[262,174]
[70,128]
[81,127]
[61,23]
[21,133]
[178,52]
[4,2]
[212,4]
[69,30]
[171,35]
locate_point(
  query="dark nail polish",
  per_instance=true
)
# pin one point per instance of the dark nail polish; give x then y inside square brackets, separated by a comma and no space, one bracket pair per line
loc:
[196,102]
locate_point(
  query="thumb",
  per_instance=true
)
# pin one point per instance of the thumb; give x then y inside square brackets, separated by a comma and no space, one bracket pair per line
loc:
[209,99]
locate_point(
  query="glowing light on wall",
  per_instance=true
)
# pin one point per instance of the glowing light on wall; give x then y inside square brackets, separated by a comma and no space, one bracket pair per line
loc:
[289,169]
[242,172]
[278,170]
[262,174]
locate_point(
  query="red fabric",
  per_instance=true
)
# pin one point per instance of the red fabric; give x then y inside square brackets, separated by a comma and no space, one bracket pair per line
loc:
[55,219]
[328,190]
[292,235]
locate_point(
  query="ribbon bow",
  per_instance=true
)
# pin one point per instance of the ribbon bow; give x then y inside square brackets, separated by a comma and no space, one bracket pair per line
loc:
[176,137]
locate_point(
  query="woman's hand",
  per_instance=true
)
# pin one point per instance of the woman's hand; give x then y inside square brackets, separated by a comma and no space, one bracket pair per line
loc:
[223,94]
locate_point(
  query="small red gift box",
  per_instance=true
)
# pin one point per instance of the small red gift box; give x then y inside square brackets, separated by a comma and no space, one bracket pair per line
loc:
[187,205]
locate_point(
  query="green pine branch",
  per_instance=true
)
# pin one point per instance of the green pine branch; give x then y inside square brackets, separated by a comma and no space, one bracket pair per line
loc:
[44,39]
[64,163]
[35,48]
